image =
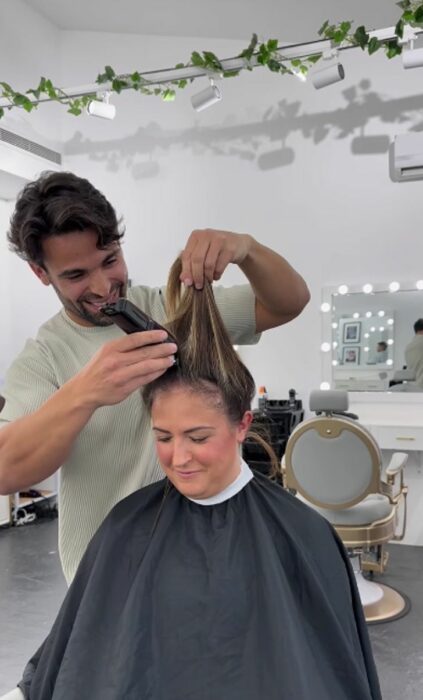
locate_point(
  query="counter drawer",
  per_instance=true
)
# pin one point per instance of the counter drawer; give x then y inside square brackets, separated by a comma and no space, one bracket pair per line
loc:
[401,438]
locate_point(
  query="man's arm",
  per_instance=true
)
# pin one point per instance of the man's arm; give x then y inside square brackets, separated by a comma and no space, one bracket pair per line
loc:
[33,447]
[281,293]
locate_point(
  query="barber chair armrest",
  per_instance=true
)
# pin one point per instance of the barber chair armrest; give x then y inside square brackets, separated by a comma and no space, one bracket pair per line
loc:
[397,463]
[394,486]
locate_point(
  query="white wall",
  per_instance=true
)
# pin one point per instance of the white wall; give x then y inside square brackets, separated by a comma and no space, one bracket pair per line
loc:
[334,214]
[29,48]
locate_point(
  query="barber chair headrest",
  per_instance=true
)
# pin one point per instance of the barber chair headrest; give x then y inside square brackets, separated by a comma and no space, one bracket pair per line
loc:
[328,401]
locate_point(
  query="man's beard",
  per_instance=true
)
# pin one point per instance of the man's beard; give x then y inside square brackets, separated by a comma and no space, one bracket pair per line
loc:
[95,318]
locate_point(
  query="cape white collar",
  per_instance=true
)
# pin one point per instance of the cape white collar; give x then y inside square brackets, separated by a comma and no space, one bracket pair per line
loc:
[245,475]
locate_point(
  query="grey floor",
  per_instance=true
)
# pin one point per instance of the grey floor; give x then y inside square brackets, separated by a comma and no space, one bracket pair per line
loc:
[32,587]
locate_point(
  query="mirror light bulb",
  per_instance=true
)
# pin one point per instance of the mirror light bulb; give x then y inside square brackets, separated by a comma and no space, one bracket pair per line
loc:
[325,386]
[368,314]
[394,286]
[367,288]
[325,307]
[356,315]
[381,314]
[325,347]
[343,289]
[419,284]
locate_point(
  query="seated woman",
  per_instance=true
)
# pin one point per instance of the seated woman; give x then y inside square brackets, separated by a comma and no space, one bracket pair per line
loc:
[214,583]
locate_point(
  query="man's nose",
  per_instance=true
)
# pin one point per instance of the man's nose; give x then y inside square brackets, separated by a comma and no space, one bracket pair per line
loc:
[100,284]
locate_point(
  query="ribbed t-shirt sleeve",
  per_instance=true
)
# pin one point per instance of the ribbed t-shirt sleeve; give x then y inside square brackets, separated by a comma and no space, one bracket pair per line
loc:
[29,382]
[237,307]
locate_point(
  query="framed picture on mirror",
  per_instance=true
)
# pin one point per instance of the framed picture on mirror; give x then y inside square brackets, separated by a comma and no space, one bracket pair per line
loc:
[350,355]
[352,332]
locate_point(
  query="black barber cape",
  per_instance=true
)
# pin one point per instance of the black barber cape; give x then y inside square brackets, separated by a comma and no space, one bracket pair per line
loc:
[249,599]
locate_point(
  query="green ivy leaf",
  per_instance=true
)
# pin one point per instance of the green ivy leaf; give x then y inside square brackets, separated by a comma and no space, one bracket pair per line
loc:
[408,16]
[118,85]
[1,112]
[249,51]
[107,76]
[323,28]
[399,28]
[345,27]
[272,45]
[168,95]
[392,49]
[418,14]
[374,45]
[273,65]
[197,60]
[313,59]
[296,62]
[74,109]
[212,61]
[361,37]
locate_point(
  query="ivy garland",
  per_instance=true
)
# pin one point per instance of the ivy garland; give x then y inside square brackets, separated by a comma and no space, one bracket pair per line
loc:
[264,54]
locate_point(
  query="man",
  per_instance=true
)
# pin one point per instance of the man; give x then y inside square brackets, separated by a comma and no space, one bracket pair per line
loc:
[414,353]
[72,396]
[381,352]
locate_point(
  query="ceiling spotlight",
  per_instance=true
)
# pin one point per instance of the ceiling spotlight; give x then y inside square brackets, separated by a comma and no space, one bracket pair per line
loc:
[332,74]
[367,288]
[343,289]
[207,97]
[412,58]
[394,286]
[102,107]
[419,284]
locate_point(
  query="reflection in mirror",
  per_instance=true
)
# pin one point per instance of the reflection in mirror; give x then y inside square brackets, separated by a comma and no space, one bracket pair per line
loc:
[371,340]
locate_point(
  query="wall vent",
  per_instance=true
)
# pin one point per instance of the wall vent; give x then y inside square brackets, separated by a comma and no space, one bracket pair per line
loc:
[30,146]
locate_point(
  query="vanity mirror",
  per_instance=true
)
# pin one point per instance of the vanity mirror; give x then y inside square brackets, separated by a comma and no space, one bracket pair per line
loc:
[365,332]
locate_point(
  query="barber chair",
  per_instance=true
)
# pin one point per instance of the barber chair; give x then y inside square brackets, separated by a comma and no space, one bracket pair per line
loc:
[334,465]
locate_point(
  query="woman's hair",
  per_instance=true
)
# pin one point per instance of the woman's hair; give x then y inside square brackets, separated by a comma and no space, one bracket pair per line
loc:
[207,362]
[56,204]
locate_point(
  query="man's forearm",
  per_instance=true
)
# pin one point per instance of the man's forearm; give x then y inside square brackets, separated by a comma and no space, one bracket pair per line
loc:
[281,293]
[33,447]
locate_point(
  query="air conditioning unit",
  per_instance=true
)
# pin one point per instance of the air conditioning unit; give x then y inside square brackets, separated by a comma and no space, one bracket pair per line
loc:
[406,157]
[22,160]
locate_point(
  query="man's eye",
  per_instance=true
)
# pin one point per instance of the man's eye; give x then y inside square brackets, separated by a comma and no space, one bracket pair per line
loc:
[110,261]
[75,277]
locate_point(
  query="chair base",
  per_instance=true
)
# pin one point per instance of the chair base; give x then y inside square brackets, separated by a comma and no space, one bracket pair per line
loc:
[390,606]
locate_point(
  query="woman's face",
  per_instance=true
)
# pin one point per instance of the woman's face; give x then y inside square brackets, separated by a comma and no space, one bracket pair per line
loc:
[197,446]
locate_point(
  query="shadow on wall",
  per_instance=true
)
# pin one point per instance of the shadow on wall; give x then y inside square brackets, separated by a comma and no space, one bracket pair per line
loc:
[250,142]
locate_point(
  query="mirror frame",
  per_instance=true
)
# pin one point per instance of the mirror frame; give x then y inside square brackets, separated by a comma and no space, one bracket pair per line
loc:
[326,337]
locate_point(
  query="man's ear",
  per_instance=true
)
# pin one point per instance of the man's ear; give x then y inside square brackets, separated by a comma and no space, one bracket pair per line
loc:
[40,272]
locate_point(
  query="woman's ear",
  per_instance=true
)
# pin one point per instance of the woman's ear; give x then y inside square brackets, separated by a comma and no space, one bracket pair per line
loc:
[244,425]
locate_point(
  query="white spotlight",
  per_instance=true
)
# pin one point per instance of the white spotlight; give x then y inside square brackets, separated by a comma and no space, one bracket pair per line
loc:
[394,286]
[325,347]
[412,58]
[207,97]
[325,307]
[102,107]
[419,284]
[343,289]
[367,288]
[325,386]
[327,76]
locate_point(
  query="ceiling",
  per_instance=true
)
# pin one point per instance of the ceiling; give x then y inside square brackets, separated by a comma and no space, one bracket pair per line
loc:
[287,20]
